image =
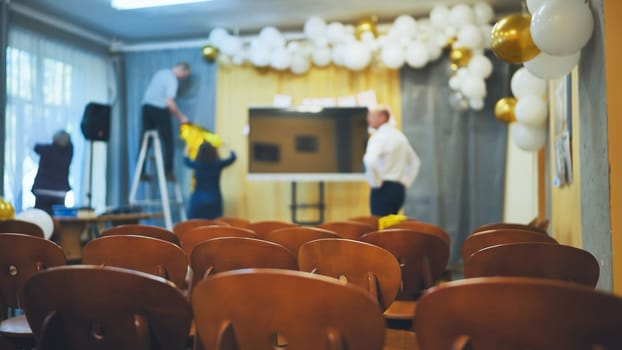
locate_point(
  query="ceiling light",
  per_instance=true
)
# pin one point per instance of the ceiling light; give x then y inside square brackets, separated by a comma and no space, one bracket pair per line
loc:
[136,4]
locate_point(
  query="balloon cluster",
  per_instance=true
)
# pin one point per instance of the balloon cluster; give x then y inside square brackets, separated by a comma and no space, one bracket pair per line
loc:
[7,211]
[355,47]
[548,42]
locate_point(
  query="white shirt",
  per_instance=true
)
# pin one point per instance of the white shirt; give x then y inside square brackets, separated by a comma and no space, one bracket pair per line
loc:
[163,86]
[389,157]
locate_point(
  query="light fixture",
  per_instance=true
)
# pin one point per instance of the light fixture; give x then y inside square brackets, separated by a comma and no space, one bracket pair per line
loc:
[136,4]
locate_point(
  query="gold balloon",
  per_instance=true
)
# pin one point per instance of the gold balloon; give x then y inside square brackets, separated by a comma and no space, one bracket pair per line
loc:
[504,110]
[364,25]
[7,211]
[511,39]
[460,56]
[450,41]
[209,53]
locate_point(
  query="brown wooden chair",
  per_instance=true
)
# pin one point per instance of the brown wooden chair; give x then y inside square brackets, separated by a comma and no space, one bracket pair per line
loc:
[184,226]
[423,227]
[251,309]
[349,229]
[234,253]
[89,307]
[362,264]
[21,256]
[423,259]
[233,221]
[142,230]
[508,226]
[145,254]
[293,237]
[513,313]
[203,233]
[19,226]
[485,239]
[263,227]
[534,259]
[367,219]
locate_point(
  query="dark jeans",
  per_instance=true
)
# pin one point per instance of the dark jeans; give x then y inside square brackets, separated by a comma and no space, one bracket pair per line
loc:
[45,203]
[159,119]
[387,199]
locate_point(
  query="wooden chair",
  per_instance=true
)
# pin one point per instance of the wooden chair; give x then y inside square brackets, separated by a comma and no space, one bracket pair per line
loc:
[184,226]
[513,313]
[508,226]
[423,258]
[362,264]
[203,233]
[485,239]
[349,229]
[19,226]
[293,237]
[21,256]
[423,228]
[251,309]
[88,307]
[145,254]
[263,227]
[534,259]
[142,230]
[367,219]
[234,253]
[236,222]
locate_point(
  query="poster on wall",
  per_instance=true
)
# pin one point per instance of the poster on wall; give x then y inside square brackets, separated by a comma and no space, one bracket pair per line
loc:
[562,131]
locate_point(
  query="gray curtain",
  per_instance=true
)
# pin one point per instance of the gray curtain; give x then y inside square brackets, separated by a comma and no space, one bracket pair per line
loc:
[196,98]
[461,182]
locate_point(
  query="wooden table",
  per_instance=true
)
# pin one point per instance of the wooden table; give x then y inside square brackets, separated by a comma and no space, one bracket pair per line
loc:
[70,229]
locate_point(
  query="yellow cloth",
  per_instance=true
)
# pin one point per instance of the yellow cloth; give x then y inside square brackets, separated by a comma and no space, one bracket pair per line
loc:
[195,135]
[390,220]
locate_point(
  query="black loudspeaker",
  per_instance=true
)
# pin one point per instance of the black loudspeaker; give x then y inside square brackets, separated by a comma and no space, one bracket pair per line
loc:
[96,122]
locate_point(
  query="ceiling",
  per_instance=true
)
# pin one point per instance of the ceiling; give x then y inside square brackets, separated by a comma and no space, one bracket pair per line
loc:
[244,16]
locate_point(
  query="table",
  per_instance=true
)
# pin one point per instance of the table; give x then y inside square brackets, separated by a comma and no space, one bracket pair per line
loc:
[70,229]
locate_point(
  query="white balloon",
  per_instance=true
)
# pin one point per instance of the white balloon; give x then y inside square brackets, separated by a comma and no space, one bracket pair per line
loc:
[531,110]
[320,41]
[293,47]
[473,87]
[314,27]
[484,13]
[280,59]
[534,5]
[406,26]
[487,35]
[434,51]
[217,36]
[335,32]
[455,82]
[271,37]
[239,58]
[338,54]
[356,56]
[417,54]
[259,54]
[439,16]
[321,57]
[528,138]
[462,73]
[477,103]
[300,64]
[231,45]
[562,27]
[392,55]
[549,67]
[39,218]
[367,36]
[470,36]
[524,83]
[480,65]
[461,15]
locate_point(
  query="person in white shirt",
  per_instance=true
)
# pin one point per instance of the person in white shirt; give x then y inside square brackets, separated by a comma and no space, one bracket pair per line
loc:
[391,164]
[159,105]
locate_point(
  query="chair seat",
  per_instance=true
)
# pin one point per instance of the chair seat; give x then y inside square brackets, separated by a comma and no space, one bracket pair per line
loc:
[400,340]
[16,327]
[401,310]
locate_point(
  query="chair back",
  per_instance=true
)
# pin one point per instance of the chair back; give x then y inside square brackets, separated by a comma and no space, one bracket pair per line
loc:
[203,233]
[349,229]
[141,230]
[145,254]
[362,264]
[21,256]
[233,221]
[184,226]
[423,257]
[371,220]
[293,237]
[263,227]
[234,253]
[486,239]
[508,226]
[19,226]
[423,227]
[88,307]
[515,313]
[534,259]
[252,309]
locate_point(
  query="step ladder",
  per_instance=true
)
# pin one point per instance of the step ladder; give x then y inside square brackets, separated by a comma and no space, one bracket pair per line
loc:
[165,200]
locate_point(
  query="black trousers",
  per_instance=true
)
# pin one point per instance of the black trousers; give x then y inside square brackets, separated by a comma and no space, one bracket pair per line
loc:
[387,199]
[159,119]
[45,203]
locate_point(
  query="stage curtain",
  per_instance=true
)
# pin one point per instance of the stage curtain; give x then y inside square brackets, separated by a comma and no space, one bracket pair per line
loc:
[240,87]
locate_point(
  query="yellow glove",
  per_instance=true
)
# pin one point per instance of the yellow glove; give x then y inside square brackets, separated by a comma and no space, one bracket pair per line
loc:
[195,135]
[390,220]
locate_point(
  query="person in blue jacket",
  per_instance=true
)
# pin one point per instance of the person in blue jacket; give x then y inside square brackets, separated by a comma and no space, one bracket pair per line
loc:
[52,181]
[206,200]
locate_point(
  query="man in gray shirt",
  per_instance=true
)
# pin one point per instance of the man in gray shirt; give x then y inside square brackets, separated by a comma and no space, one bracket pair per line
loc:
[159,105]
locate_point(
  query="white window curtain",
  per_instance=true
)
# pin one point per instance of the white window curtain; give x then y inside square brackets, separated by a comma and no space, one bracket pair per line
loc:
[48,85]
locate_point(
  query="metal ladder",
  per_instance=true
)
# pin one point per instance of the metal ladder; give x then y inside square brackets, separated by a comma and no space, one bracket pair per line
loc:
[165,201]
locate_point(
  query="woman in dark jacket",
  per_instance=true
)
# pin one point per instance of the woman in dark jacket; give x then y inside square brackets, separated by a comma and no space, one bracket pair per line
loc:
[52,181]
[206,200]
